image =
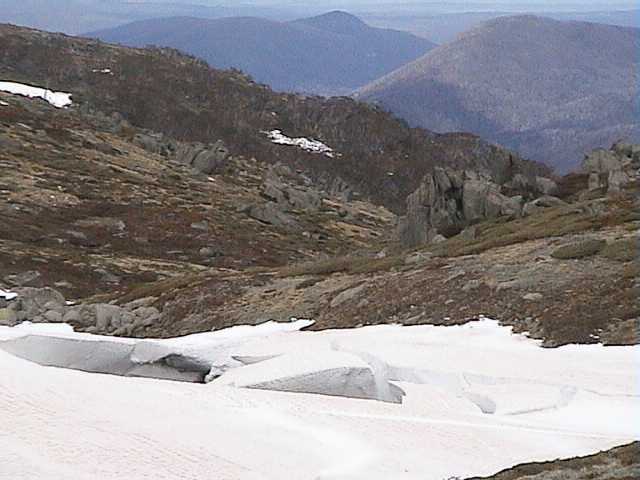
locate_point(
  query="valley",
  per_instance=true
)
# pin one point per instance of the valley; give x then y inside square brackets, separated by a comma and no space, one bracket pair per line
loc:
[201,275]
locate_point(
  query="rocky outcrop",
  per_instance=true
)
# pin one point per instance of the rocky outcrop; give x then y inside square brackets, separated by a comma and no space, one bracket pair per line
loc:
[155,143]
[613,169]
[546,201]
[283,192]
[202,158]
[46,305]
[449,200]
[34,304]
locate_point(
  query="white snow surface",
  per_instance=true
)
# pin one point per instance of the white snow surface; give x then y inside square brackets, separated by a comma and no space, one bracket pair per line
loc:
[7,295]
[313,146]
[57,99]
[477,399]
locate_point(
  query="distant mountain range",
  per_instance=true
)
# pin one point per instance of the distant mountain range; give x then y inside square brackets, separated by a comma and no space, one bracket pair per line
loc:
[445,27]
[77,16]
[333,53]
[551,90]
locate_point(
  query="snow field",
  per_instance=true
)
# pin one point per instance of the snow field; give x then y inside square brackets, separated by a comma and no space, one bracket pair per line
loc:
[477,399]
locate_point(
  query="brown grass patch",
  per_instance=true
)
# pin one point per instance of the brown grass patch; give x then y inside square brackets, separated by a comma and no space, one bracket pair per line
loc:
[344,264]
[576,250]
[622,250]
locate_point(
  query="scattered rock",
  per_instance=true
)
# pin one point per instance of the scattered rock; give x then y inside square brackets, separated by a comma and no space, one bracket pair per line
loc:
[154,143]
[53,317]
[203,225]
[540,204]
[472,285]
[469,233]
[23,278]
[347,295]
[209,252]
[613,169]
[438,239]
[202,158]
[33,302]
[546,186]
[107,276]
[533,297]
[270,213]
[417,257]
[8,317]
[108,223]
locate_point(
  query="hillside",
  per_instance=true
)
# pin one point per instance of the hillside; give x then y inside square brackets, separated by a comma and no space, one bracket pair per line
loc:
[328,54]
[283,179]
[377,157]
[300,275]
[550,90]
[618,464]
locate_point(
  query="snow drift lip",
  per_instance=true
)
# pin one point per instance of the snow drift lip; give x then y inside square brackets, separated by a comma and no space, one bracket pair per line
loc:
[107,357]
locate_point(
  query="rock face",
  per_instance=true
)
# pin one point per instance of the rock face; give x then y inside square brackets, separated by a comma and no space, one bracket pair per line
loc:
[155,143]
[202,158]
[612,169]
[284,191]
[35,304]
[46,305]
[546,201]
[449,200]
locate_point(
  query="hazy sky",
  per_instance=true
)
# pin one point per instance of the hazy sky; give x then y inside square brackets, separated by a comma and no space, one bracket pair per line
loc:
[549,4]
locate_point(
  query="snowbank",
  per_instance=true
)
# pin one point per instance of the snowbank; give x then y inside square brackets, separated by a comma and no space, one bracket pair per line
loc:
[7,295]
[477,399]
[57,99]
[313,146]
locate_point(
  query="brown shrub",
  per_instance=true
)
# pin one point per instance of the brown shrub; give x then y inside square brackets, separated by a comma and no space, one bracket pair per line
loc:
[583,249]
[345,264]
[622,250]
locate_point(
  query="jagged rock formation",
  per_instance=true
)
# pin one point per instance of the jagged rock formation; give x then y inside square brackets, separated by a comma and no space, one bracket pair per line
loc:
[284,192]
[202,158]
[449,200]
[613,169]
[46,305]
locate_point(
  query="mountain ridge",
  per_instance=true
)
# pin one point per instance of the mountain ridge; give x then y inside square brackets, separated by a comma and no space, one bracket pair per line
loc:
[333,53]
[193,102]
[526,82]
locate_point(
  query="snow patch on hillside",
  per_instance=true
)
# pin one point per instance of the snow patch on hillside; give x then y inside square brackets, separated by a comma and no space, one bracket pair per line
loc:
[57,99]
[7,295]
[313,146]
